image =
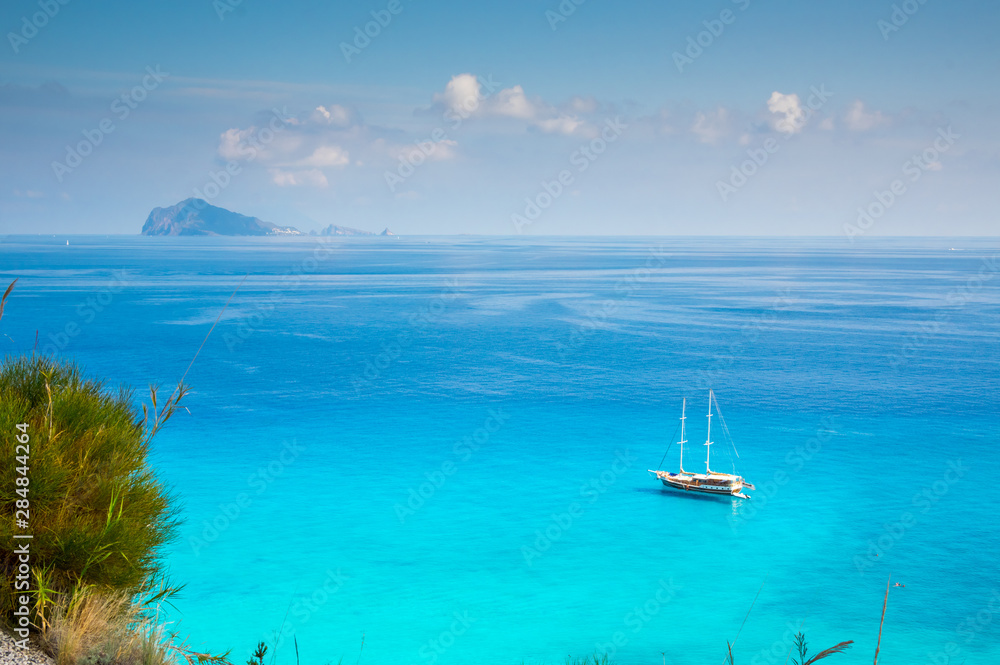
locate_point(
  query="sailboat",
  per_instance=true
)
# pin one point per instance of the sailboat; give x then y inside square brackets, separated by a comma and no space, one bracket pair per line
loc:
[710,482]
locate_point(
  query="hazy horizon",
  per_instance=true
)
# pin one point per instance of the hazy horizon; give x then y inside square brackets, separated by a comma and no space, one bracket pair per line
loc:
[853,120]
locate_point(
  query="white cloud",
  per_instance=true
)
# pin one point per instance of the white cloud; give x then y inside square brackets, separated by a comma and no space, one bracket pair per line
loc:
[789,108]
[512,102]
[461,94]
[583,104]
[562,124]
[711,126]
[464,95]
[860,120]
[334,114]
[231,143]
[296,153]
[249,144]
[327,155]
[443,150]
[310,178]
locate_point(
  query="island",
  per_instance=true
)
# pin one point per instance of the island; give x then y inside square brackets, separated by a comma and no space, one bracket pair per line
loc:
[197,217]
[334,230]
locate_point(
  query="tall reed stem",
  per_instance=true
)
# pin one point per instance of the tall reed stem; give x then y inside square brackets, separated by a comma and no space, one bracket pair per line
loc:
[885,602]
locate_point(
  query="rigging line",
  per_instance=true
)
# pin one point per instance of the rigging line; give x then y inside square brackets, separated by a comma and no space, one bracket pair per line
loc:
[725,427]
[670,444]
[748,612]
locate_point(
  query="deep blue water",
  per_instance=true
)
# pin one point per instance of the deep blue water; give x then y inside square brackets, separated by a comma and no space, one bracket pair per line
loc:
[859,383]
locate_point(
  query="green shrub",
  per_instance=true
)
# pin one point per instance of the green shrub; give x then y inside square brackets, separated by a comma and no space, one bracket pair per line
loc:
[98,513]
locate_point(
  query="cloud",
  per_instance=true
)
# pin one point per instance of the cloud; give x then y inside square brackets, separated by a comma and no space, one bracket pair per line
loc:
[859,120]
[465,96]
[512,103]
[262,145]
[710,126]
[462,93]
[334,114]
[29,193]
[327,155]
[232,143]
[583,104]
[792,116]
[299,150]
[560,125]
[310,178]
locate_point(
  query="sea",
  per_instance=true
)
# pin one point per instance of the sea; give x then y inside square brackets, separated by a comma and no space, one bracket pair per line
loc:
[436,450]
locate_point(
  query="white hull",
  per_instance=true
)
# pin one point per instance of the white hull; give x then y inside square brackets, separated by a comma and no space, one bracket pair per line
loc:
[718,484]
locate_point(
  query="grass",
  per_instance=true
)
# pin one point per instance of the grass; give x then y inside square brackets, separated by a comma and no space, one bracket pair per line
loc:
[100,627]
[98,514]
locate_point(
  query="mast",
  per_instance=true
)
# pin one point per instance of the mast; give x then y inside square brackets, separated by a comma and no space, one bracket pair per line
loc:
[708,436]
[683,440]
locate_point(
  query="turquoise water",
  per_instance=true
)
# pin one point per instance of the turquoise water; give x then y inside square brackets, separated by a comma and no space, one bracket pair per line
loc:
[440,445]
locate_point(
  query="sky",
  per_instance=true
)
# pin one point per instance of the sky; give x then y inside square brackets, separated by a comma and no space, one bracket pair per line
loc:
[854,119]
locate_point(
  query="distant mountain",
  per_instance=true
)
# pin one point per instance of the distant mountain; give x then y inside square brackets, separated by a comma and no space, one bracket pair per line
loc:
[334,230]
[387,232]
[197,217]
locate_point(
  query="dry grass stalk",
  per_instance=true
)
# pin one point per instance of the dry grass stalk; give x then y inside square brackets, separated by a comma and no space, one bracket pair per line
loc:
[885,602]
[111,628]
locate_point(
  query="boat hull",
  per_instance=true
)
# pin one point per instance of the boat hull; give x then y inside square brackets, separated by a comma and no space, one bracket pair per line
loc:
[716,484]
